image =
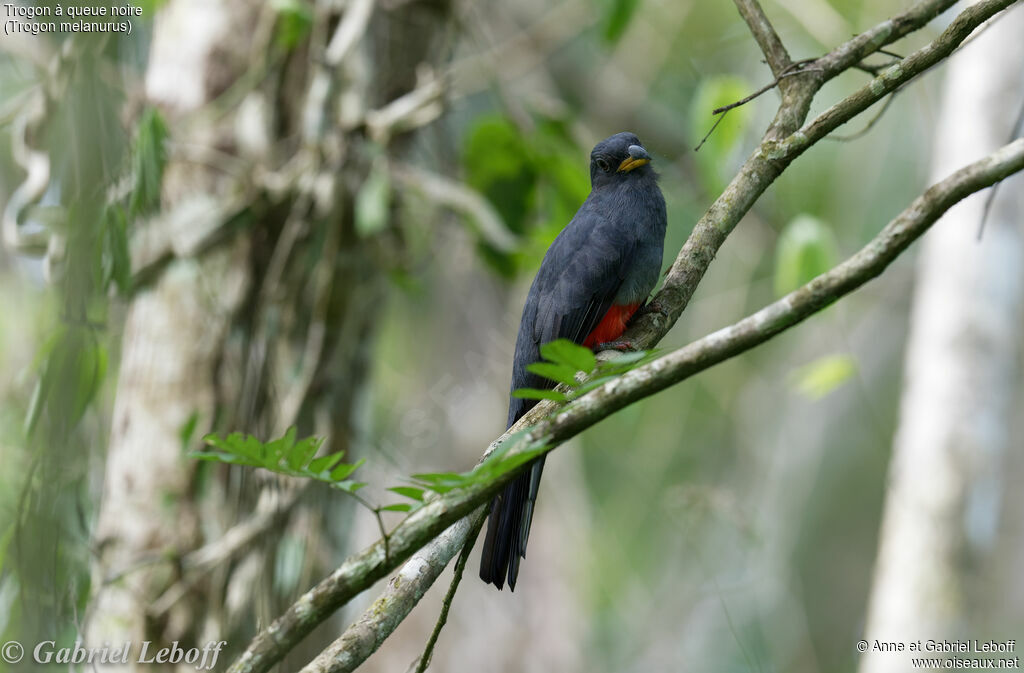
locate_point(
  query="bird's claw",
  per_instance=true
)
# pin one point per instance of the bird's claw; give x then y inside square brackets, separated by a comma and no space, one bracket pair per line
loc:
[615,346]
[653,307]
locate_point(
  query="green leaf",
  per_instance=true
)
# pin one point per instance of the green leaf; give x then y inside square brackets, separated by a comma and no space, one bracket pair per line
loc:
[539,394]
[616,17]
[284,455]
[36,403]
[557,373]
[819,378]
[280,451]
[349,486]
[324,463]
[625,362]
[408,491]
[39,394]
[805,249]
[341,472]
[631,358]
[294,21]
[187,429]
[397,507]
[373,202]
[70,374]
[596,383]
[497,163]
[221,457]
[437,477]
[115,260]
[565,352]
[149,156]
[304,451]
[496,466]
[440,482]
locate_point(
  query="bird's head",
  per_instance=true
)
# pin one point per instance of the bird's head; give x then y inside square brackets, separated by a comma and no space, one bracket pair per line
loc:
[617,158]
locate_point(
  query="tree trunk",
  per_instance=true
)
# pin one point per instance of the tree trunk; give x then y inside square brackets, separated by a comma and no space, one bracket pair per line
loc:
[960,380]
[259,296]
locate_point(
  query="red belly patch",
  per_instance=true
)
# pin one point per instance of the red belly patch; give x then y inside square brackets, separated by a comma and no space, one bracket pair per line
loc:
[612,325]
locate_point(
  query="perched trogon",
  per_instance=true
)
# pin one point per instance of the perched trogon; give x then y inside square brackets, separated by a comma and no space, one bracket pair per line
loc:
[597,273]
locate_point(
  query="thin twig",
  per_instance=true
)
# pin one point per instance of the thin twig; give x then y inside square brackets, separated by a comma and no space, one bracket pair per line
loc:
[710,131]
[794,69]
[871,122]
[1016,130]
[460,566]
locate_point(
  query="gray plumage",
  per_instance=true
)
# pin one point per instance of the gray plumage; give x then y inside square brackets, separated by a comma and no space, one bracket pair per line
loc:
[608,255]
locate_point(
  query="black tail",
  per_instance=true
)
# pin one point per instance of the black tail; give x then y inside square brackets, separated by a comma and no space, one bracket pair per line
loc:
[509,528]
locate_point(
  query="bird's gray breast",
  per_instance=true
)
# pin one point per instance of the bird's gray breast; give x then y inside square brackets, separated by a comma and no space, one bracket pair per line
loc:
[647,223]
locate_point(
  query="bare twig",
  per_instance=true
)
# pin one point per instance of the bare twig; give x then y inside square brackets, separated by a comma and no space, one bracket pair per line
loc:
[1015,132]
[870,125]
[363,637]
[793,69]
[442,619]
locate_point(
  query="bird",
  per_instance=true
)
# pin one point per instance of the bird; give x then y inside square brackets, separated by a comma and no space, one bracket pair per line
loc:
[600,269]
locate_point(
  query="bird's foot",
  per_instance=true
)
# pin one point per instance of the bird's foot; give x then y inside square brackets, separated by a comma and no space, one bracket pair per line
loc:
[615,346]
[653,307]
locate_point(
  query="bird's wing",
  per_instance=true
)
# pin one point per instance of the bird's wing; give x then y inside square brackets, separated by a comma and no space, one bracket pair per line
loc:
[583,289]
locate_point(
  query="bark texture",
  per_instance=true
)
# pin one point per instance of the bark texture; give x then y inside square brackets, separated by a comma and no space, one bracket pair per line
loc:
[257,293]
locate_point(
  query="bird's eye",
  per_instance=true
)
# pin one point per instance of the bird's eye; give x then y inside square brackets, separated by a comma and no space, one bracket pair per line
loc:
[603,165]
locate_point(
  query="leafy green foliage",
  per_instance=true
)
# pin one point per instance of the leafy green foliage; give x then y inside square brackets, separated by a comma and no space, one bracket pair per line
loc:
[565,359]
[819,378]
[539,394]
[149,156]
[715,158]
[569,354]
[294,21]
[71,366]
[805,249]
[285,455]
[615,18]
[497,464]
[115,260]
[498,164]
[535,181]
[409,492]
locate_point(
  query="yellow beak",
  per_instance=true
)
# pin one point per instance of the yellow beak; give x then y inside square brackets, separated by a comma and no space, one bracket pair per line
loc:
[638,157]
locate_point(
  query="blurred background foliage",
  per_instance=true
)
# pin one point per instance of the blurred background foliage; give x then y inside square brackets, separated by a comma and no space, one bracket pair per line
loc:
[727,524]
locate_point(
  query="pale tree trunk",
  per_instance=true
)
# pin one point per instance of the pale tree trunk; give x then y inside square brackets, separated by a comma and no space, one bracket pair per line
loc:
[961,374]
[256,307]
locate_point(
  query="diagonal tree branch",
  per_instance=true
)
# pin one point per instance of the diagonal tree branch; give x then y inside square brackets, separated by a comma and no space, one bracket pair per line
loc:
[783,142]
[778,150]
[365,567]
[765,36]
